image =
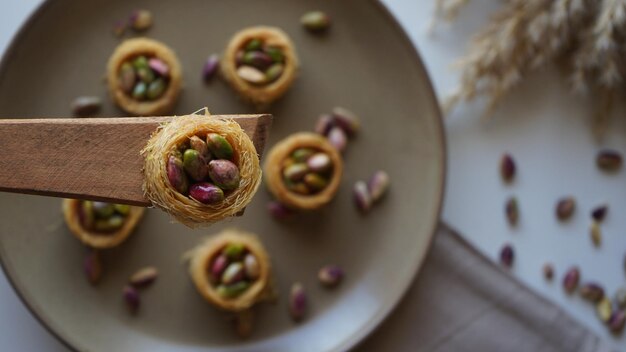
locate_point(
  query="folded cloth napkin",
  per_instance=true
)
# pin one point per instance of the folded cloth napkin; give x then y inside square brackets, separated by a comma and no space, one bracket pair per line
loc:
[461,301]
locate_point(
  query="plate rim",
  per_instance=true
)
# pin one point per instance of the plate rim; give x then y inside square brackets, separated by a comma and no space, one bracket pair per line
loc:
[373,323]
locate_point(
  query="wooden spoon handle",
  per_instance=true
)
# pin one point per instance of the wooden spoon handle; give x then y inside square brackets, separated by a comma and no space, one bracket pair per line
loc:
[89,158]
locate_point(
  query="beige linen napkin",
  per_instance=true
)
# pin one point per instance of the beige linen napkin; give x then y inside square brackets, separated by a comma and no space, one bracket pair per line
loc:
[461,301]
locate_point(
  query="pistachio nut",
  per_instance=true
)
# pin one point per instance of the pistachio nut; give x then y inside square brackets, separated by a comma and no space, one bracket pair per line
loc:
[548,271]
[234,272]
[346,120]
[111,224]
[234,290]
[301,155]
[599,212]
[200,146]
[257,59]
[252,267]
[570,280]
[176,175]
[274,72]
[139,91]
[127,77]
[92,266]
[86,214]
[319,162]
[620,297]
[103,210]
[254,44]
[234,251]
[219,146]
[278,210]
[219,265]
[144,277]
[324,124]
[156,89]
[330,275]
[609,160]
[251,74]
[565,207]
[297,301]
[315,182]
[295,172]
[617,321]
[146,75]
[141,20]
[362,197]
[275,53]
[337,138]
[210,67]
[507,168]
[123,209]
[224,173]
[315,21]
[86,106]
[592,292]
[596,234]
[507,255]
[131,297]
[206,193]
[378,185]
[159,66]
[194,165]
[140,62]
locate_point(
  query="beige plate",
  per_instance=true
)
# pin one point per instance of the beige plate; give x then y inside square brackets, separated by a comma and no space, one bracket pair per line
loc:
[365,63]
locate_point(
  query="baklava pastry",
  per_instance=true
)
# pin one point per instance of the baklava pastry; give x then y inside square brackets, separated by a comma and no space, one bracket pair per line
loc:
[231,270]
[100,225]
[144,77]
[260,63]
[303,171]
[200,169]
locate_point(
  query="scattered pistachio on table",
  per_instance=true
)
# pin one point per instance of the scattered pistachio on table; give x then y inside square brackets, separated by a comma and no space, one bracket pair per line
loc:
[604,309]
[571,278]
[144,277]
[330,275]
[565,207]
[131,297]
[210,67]
[86,106]
[599,213]
[119,28]
[140,20]
[338,126]
[378,185]
[278,210]
[511,210]
[337,138]
[315,21]
[93,266]
[507,167]
[592,291]
[297,302]
[507,255]
[362,197]
[548,271]
[609,160]
[595,233]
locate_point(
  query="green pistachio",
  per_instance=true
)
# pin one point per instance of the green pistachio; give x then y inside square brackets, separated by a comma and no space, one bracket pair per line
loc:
[194,164]
[200,146]
[274,71]
[145,74]
[295,172]
[254,44]
[156,89]
[315,182]
[123,209]
[275,53]
[108,225]
[219,146]
[234,250]
[301,155]
[234,290]
[140,62]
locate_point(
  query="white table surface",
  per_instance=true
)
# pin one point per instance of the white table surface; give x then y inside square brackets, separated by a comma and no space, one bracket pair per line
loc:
[542,125]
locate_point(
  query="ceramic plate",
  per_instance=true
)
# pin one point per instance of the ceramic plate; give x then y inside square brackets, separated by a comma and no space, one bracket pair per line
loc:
[365,63]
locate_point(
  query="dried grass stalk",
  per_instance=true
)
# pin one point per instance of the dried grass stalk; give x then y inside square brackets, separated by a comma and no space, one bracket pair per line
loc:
[520,38]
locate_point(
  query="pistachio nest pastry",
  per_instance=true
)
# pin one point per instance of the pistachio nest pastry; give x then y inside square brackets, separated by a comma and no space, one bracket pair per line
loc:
[260,63]
[200,169]
[144,77]
[303,171]
[100,225]
[231,270]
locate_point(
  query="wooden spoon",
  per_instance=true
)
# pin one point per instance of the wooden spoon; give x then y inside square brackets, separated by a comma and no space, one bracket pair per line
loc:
[89,158]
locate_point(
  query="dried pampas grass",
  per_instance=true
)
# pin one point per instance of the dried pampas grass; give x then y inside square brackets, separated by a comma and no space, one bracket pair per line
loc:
[525,35]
